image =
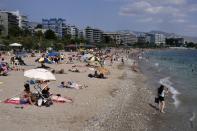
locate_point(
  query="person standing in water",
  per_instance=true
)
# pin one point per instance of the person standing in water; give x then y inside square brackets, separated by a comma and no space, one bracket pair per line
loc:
[161,95]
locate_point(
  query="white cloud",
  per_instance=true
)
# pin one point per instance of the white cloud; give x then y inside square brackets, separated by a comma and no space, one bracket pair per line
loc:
[172,11]
[150,19]
[192,27]
[145,20]
[175,2]
[179,21]
[143,8]
[192,8]
[135,8]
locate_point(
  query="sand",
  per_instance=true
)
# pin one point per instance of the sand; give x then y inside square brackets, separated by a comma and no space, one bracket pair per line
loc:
[118,103]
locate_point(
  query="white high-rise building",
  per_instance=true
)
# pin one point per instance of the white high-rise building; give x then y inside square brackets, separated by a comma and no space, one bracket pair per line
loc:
[7,21]
[128,38]
[22,19]
[159,39]
[114,36]
[74,31]
[93,35]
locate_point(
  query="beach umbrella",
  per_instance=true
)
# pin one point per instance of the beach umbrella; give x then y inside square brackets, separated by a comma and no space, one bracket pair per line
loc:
[93,58]
[39,74]
[86,56]
[54,54]
[15,45]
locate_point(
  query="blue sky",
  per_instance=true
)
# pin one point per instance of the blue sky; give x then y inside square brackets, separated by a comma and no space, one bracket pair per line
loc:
[177,16]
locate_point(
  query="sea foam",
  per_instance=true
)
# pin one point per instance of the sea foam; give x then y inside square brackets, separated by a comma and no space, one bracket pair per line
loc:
[167,83]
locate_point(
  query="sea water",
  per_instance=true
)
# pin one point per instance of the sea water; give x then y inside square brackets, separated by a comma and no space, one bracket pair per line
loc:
[177,69]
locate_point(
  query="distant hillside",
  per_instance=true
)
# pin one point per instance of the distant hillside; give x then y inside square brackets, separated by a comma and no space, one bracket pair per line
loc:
[168,35]
[190,39]
[33,24]
[187,38]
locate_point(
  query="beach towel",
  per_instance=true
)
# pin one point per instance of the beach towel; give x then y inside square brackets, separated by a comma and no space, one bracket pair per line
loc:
[14,101]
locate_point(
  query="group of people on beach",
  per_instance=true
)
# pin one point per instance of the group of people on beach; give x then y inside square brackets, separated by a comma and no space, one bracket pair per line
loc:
[28,97]
[43,97]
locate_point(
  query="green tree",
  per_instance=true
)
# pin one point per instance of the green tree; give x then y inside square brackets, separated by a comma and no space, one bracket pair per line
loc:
[50,35]
[190,44]
[39,26]
[27,42]
[14,31]
[26,32]
[39,35]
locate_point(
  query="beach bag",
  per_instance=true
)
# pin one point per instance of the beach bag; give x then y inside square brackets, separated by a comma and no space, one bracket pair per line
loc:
[156,100]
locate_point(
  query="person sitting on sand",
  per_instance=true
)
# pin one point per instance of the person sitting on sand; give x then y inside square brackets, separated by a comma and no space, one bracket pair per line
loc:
[71,84]
[61,71]
[96,75]
[26,95]
[45,92]
[161,95]
[43,66]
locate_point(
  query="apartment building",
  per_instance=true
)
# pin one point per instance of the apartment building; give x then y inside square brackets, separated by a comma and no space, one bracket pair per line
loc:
[54,24]
[7,21]
[93,35]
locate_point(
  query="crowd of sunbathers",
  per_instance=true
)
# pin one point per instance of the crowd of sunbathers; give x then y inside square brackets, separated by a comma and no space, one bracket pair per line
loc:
[14,64]
[43,96]
[58,58]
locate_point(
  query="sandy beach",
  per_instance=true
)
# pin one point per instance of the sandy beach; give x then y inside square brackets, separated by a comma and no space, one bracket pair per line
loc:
[118,103]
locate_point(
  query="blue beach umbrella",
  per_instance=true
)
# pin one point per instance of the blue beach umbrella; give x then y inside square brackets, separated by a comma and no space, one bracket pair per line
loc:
[54,54]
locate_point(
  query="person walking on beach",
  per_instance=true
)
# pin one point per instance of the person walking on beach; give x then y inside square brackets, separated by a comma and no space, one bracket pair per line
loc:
[161,95]
[122,60]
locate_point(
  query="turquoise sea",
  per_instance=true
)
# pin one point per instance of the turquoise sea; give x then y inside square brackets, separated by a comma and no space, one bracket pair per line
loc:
[177,67]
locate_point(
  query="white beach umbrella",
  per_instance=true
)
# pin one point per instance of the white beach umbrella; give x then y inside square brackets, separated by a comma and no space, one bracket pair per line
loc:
[93,58]
[15,45]
[39,74]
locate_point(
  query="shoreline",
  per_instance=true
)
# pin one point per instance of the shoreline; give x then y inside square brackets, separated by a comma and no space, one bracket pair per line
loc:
[132,108]
[176,117]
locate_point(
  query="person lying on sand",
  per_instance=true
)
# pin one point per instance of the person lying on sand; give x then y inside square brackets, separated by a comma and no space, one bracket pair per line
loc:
[74,69]
[61,71]
[59,98]
[72,84]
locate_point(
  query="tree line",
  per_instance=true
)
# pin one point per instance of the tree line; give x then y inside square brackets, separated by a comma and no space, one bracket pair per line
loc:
[38,40]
